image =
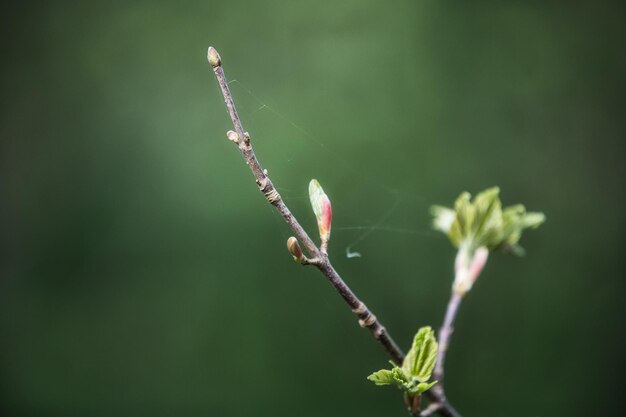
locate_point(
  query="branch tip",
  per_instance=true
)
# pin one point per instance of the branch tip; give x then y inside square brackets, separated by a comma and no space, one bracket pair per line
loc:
[213,57]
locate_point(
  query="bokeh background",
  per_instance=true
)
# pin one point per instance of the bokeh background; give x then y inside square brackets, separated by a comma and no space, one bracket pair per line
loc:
[143,274]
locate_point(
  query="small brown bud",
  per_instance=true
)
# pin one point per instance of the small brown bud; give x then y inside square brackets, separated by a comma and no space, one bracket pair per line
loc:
[294,249]
[213,57]
[232,136]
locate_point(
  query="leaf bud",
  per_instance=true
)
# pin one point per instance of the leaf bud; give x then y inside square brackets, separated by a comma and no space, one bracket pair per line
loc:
[213,57]
[294,249]
[232,136]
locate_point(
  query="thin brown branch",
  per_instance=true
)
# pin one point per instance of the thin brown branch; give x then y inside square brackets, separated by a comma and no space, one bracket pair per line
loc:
[366,318]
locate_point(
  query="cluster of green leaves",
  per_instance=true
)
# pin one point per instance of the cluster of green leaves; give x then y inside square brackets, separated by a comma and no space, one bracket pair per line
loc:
[483,222]
[417,367]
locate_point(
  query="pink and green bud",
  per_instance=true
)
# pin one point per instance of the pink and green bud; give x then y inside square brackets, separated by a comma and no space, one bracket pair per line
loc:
[294,249]
[323,211]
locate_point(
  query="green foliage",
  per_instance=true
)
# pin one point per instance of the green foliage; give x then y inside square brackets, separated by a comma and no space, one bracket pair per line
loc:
[417,367]
[483,222]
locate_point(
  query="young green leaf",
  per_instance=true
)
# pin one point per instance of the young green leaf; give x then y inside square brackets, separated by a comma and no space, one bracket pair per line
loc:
[417,366]
[420,360]
[481,225]
[423,387]
[382,377]
[483,222]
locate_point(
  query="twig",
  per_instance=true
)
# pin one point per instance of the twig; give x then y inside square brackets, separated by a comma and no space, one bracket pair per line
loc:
[430,410]
[366,318]
[444,340]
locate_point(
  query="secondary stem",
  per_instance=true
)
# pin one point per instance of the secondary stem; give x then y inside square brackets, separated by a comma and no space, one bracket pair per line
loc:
[366,318]
[444,340]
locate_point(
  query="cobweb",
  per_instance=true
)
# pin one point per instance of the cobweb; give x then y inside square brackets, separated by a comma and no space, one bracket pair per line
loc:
[363,226]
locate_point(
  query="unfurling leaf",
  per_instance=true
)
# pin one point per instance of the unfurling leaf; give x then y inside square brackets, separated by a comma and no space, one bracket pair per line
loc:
[382,377]
[443,218]
[420,360]
[416,368]
[425,386]
[478,226]
[483,222]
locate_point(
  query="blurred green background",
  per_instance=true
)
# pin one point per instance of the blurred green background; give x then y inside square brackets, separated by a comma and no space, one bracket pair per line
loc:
[143,274]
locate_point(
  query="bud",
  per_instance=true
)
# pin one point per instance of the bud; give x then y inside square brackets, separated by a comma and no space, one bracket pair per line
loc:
[323,212]
[232,136]
[213,57]
[467,268]
[294,249]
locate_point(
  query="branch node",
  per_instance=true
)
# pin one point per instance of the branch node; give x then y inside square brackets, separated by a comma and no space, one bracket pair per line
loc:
[378,333]
[362,308]
[268,190]
[368,320]
[271,195]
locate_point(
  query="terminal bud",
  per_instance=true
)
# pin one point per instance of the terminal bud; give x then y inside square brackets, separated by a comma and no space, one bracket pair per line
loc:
[213,57]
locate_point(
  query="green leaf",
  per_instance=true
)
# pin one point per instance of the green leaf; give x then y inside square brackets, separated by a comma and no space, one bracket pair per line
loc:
[489,217]
[533,220]
[382,377]
[443,218]
[464,214]
[420,360]
[423,387]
